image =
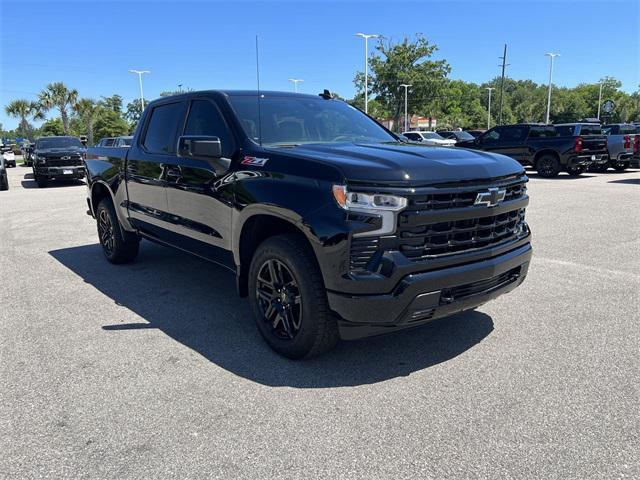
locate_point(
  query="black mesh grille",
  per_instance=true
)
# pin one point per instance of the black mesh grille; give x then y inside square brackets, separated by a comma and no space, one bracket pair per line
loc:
[362,251]
[462,291]
[460,235]
[58,162]
[441,201]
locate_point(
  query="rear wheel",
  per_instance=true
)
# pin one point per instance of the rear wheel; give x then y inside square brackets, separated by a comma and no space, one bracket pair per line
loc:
[289,300]
[116,246]
[548,166]
[621,167]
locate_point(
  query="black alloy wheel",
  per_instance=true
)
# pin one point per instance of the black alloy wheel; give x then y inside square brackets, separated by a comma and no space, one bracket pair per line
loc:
[547,166]
[279,299]
[105,232]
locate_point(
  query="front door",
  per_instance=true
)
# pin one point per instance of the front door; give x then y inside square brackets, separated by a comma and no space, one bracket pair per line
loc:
[149,164]
[200,200]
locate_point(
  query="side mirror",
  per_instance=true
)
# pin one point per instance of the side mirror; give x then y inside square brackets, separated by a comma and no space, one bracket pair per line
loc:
[199,146]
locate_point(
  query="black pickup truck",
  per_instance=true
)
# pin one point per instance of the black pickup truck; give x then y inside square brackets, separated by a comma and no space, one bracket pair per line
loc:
[333,226]
[549,149]
[57,158]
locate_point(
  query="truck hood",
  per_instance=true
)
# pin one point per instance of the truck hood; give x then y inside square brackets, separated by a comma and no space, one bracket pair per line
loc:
[60,151]
[409,164]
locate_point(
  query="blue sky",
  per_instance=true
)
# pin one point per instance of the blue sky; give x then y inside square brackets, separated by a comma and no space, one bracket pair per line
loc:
[92,45]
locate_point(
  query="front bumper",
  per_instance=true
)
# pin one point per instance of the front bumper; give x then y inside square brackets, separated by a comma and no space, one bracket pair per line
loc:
[60,172]
[422,297]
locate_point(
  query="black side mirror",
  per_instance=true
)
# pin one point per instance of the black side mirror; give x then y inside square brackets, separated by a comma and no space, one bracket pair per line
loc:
[199,146]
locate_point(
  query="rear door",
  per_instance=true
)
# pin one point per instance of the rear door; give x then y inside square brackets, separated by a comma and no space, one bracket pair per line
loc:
[200,201]
[150,162]
[507,140]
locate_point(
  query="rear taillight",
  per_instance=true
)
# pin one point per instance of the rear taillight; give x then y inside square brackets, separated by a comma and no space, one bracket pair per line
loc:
[627,141]
[578,145]
[636,143]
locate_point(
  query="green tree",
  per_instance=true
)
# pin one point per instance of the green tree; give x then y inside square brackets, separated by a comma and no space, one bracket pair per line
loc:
[109,124]
[53,127]
[24,110]
[407,62]
[57,95]
[133,114]
[114,102]
[88,110]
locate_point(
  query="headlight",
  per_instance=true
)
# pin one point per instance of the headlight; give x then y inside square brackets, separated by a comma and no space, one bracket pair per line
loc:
[381,205]
[358,201]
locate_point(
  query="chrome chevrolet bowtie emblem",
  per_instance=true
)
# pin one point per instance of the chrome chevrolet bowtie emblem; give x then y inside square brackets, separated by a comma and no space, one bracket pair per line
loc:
[490,198]
[65,158]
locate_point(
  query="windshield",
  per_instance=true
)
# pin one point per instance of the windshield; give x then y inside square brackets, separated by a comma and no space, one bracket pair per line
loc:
[431,135]
[464,136]
[58,142]
[590,130]
[297,120]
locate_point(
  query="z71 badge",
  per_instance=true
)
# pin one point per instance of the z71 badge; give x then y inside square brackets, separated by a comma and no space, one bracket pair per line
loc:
[255,161]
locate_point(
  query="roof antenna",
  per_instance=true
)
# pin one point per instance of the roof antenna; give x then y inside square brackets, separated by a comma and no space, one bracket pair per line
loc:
[259,95]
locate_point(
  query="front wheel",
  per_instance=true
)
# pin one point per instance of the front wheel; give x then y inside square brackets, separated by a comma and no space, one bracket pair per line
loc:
[115,247]
[548,166]
[41,181]
[289,300]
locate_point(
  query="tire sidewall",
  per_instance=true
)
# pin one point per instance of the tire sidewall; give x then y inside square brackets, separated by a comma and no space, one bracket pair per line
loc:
[311,299]
[556,165]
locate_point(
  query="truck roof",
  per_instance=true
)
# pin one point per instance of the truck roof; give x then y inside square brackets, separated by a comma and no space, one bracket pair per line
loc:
[237,93]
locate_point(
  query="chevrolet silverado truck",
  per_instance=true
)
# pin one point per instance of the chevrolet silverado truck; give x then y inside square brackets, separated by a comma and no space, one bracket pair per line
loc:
[622,142]
[333,226]
[549,149]
[57,158]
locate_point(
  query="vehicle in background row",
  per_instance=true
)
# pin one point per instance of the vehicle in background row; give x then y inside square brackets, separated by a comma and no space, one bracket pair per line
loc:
[122,141]
[333,226]
[456,135]
[27,153]
[549,149]
[428,138]
[622,143]
[58,158]
[475,133]
[4,179]
[106,142]
[9,158]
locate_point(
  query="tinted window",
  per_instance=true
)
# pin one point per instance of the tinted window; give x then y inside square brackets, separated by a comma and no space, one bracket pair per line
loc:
[161,132]
[513,134]
[58,142]
[493,136]
[565,130]
[590,130]
[542,132]
[206,119]
[293,120]
[626,129]
[432,136]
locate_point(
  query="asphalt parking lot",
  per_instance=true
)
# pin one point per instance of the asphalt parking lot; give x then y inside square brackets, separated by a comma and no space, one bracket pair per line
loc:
[155,369]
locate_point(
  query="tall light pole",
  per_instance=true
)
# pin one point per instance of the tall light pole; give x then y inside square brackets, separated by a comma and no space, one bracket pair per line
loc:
[551,57]
[599,100]
[490,89]
[295,82]
[140,73]
[366,66]
[406,114]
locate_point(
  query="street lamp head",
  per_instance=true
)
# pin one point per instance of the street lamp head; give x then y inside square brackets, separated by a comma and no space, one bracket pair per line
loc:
[366,35]
[139,72]
[551,54]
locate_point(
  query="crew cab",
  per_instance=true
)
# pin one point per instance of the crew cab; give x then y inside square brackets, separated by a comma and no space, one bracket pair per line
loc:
[622,142]
[549,149]
[333,226]
[57,158]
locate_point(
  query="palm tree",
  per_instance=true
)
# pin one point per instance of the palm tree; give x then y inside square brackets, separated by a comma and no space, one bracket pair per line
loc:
[57,95]
[87,109]
[24,110]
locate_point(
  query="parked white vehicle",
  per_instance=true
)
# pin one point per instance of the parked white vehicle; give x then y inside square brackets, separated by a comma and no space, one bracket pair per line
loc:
[9,159]
[429,138]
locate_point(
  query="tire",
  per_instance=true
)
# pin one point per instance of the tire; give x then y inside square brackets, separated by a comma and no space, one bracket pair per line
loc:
[548,166]
[302,298]
[621,168]
[118,247]
[41,181]
[575,171]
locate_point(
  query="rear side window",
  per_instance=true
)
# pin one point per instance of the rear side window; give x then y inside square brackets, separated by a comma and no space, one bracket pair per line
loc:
[162,128]
[590,130]
[565,130]
[514,133]
[206,119]
[542,132]
[627,129]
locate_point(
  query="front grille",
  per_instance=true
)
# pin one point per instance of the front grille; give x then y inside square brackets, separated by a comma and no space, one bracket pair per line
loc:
[58,162]
[460,235]
[441,201]
[445,221]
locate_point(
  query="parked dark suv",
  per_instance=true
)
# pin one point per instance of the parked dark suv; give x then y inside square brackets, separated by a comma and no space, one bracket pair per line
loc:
[332,225]
[58,158]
